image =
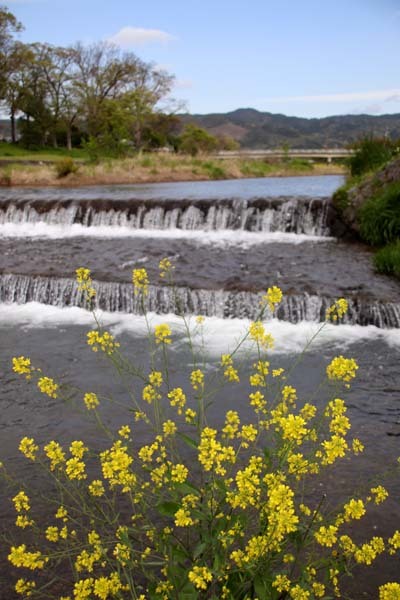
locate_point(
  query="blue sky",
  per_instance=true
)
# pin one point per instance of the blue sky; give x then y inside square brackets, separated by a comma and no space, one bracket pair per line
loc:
[306,58]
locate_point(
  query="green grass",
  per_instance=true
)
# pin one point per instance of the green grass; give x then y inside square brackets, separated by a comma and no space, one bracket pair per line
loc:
[256,168]
[387,260]
[380,216]
[16,152]
[213,170]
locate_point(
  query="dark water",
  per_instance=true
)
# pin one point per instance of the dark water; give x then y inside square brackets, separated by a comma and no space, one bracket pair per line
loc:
[302,255]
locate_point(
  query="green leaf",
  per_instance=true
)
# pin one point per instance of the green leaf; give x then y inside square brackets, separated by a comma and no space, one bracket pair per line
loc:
[188,440]
[260,587]
[168,509]
[199,550]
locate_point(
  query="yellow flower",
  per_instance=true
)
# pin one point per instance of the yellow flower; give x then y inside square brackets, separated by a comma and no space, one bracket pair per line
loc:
[55,453]
[140,281]
[52,534]
[338,309]
[124,431]
[179,473]
[326,536]
[84,281]
[273,297]
[200,577]
[258,334]
[354,509]
[20,557]
[389,591]
[21,502]
[162,333]
[22,366]
[91,400]
[28,448]
[169,428]
[190,415]
[48,386]
[23,521]
[197,379]
[380,494]
[75,468]
[25,587]
[96,488]
[178,399]
[183,518]
[342,369]
[165,266]
[105,342]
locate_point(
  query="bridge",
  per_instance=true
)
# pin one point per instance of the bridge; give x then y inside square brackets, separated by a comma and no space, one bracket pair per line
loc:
[314,154]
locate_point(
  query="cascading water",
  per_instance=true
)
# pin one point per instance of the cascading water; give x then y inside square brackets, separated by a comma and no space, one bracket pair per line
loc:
[119,297]
[287,214]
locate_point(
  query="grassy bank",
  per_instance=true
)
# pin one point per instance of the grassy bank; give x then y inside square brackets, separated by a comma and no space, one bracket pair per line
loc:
[41,169]
[370,205]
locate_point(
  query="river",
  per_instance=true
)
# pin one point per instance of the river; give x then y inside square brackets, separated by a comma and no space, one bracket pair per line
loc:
[230,241]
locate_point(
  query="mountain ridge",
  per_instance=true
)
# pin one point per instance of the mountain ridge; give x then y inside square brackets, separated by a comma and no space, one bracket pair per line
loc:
[257,130]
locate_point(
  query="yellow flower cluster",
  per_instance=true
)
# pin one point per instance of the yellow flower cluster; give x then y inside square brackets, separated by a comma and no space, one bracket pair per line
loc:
[273,297]
[91,400]
[230,373]
[338,309]
[342,369]
[389,591]
[24,587]
[197,379]
[150,393]
[28,448]
[84,281]
[22,366]
[140,281]
[166,267]
[162,334]
[104,342]
[115,464]
[55,453]
[20,557]
[48,386]
[201,577]
[212,454]
[177,399]
[258,334]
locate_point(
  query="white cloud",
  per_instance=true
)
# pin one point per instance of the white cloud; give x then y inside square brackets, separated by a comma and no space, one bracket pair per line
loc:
[385,95]
[137,36]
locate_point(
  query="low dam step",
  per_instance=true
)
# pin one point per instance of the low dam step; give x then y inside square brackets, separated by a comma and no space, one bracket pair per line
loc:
[119,297]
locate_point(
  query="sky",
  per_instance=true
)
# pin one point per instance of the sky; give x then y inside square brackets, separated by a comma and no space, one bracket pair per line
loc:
[309,58]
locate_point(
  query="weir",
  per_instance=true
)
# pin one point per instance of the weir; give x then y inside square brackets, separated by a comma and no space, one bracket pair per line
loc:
[119,297]
[310,216]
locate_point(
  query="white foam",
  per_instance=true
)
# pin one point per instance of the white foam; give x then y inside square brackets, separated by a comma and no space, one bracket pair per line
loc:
[220,335]
[220,237]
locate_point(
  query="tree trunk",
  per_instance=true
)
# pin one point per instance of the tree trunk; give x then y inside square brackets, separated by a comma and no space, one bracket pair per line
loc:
[55,145]
[69,138]
[13,126]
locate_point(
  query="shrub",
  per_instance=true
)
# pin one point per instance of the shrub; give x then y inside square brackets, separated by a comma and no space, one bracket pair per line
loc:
[255,168]
[387,259]
[371,153]
[380,216]
[65,167]
[214,171]
[197,512]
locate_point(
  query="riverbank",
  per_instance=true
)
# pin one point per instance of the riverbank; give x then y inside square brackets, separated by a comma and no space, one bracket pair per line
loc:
[153,168]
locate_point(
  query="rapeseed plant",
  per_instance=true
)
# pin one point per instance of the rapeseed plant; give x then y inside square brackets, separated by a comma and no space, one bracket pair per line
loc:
[198,512]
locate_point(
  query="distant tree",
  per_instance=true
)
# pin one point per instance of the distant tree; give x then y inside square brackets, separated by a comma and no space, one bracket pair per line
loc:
[225,142]
[195,139]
